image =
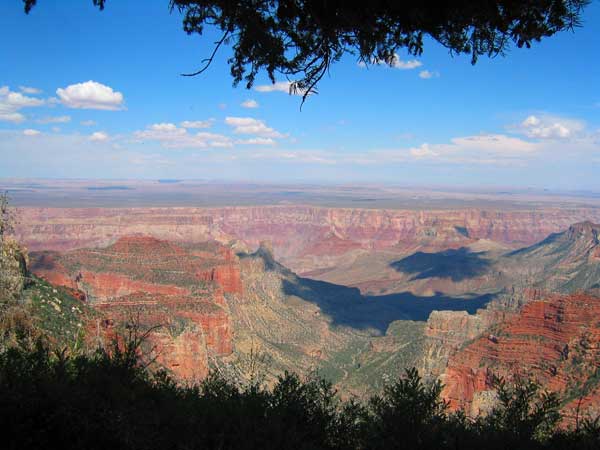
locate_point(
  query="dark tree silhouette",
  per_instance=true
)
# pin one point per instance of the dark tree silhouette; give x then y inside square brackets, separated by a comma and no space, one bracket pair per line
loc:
[301,39]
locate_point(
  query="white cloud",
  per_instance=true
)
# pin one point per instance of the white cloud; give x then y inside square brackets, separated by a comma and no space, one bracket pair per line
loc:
[55,119]
[249,125]
[476,149]
[90,95]
[250,104]
[483,149]
[212,139]
[11,102]
[531,121]
[424,151]
[30,132]
[256,141]
[279,86]
[10,116]
[166,128]
[98,136]
[170,135]
[550,127]
[30,90]
[395,62]
[426,74]
[88,123]
[197,123]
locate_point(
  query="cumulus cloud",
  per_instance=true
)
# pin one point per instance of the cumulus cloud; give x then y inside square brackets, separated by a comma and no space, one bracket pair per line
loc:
[166,128]
[395,62]
[55,119]
[424,151]
[170,135]
[88,123]
[426,74]
[476,149]
[90,95]
[249,125]
[483,149]
[550,127]
[30,90]
[250,104]
[30,132]
[99,136]
[406,65]
[11,116]
[12,102]
[197,123]
[279,86]
[256,141]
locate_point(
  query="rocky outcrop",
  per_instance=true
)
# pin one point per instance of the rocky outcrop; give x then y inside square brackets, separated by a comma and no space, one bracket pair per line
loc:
[141,264]
[554,340]
[13,270]
[175,291]
[184,332]
[110,285]
[446,331]
[228,277]
[173,316]
[563,262]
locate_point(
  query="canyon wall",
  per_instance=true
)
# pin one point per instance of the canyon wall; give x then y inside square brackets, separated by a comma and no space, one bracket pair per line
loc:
[294,231]
[552,339]
[178,293]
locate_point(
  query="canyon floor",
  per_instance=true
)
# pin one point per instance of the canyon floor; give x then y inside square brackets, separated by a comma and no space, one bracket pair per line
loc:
[353,283]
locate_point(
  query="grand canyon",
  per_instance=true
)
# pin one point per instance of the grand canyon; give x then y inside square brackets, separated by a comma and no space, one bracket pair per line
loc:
[464,294]
[304,225]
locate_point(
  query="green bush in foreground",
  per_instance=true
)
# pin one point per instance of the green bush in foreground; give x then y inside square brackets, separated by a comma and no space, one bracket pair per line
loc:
[110,401]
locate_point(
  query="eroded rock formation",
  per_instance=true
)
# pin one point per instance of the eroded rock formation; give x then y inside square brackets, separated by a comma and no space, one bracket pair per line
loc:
[551,338]
[177,292]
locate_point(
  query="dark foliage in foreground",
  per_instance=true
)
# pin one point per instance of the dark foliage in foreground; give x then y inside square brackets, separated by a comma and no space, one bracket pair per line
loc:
[302,39]
[110,401]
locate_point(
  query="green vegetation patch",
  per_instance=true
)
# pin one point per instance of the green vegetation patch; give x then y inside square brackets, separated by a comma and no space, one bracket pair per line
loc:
[59,315]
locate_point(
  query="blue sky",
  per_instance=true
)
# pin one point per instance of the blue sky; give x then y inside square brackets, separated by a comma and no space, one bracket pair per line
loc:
[89,94]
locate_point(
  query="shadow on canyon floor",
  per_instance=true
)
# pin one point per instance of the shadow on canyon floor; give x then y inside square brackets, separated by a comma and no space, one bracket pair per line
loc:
[347,307]
[458,265]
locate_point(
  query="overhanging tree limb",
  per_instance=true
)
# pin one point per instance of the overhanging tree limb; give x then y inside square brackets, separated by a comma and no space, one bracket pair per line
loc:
[303,38]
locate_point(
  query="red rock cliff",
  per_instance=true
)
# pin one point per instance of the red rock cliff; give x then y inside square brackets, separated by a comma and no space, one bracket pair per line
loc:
[547,340]
[156,283]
